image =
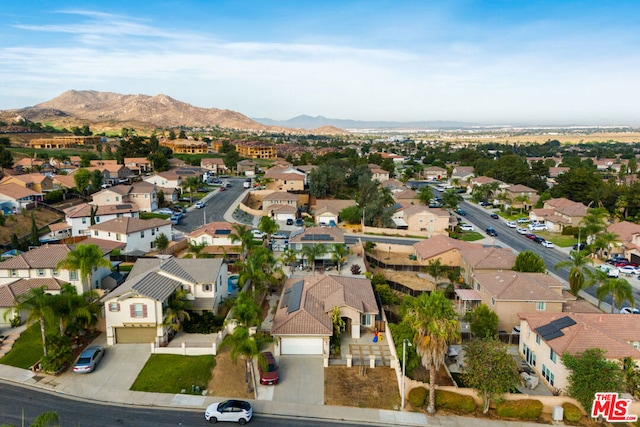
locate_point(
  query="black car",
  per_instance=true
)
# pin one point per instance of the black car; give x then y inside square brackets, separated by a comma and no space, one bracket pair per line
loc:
[491,232]
[579,247]
[289,221]
[485,203]
[494,216]
[538,239]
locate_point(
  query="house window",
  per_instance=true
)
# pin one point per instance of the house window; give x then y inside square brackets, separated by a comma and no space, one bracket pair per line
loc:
[97,219]
[95,233]
[114,306]
[146,196]
[41,272]
[553,356]
[548,375]
[153,231]
[142,234]
[538,339]
[493,301]
[54,272]
[117,198]
[14,273]
[367,319]
[138,310]
[206,287]
[84,220]
[152,244]
[73,275]
[118,236]
[541,305]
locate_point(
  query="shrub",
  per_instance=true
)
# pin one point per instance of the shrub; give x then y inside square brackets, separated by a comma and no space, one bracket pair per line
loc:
[54,196]
[205,323]
[526,409]
[59,355]
[417,396]
[3,220]
[355,269]
[570,231]
[455,402]
[15,321]
[571,412]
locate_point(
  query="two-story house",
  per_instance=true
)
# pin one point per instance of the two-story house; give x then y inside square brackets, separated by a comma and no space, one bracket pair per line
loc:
[280,205]
[78,217]
[137,234]
[285,179]
[422,218]
[521,196]
[378,174]
[138,165]
[33,181]
[434,173]
[559,213]
[217,238]
[142,194]
[215,165]
[328,237]
[166,180]
[480,259]
[135,311]
[14,197]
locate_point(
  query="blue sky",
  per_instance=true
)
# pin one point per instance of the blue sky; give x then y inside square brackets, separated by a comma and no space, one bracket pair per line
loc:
[489,62]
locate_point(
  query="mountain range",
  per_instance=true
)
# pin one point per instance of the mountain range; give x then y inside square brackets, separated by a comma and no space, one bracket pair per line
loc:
[309,122]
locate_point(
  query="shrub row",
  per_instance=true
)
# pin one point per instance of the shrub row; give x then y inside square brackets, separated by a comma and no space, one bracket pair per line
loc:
[527,409]
[571,412]
[451,401]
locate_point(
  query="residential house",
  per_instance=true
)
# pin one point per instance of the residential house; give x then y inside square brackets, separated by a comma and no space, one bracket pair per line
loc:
[12,288]
[280,205]
[288,179]
[138,234]
[378,174]
[407,195]
[328,210]
[58,231]
[255,149]
[303,321]
[423,218]
[481,259]
[135,311]
[328,237]
[215,165]
[628,239]
[462,173]
[247,167]
[521,196]
[63,182]
[434,173]
[14,197]
[78,217]
[33,181]
[141,194]
[485,180]
[166,180]
[138,165]
[545,337]
[217,238]
[508,293]
[113,172]
[559,213]
[394,185]
[441,247]
[41,262]
[186,146]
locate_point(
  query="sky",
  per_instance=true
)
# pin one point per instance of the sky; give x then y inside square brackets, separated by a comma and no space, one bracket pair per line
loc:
[488,62]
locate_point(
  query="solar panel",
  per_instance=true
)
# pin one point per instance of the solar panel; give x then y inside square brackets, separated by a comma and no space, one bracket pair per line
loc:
[123,206]
[563,322]
[295,297]
[223,232]
[549,332]
[314,237]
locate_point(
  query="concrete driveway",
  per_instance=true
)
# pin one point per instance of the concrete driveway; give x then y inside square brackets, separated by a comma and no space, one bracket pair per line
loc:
[301,380]
[114,375]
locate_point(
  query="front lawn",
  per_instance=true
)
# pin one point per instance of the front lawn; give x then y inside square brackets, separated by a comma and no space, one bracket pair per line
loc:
[27,349]
[168,373]
[558,239]
[470,236]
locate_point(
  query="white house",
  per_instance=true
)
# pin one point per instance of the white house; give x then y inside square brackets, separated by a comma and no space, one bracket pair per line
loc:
[79,217]
[135,311]
[139,235]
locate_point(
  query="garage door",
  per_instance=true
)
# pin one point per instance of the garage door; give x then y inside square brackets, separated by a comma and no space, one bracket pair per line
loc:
[301,346]
[135,335]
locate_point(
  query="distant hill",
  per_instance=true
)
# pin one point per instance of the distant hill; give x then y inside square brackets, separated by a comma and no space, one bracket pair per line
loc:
[309,122]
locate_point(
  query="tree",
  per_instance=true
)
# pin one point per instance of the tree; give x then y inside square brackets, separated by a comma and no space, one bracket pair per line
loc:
[35,236]
[351,214]
[436,270]
[75,312]
[190,184]
[246,311]
[289,258]
[435,323]
[243,345]
[529,262]
[177,309]
[269,226]
[242,234]
[451,199]
[85,259]
[251,270]
[483,322]
[82,178]
[39,305]
[46,419]
[578,264]
[96,179]
[339,252]
[591,373]
[593,222]
[6,158]
[231,159]
[312,252]
[605,241]
[489,369]
[161,242]
[196,248]
[425,195]
[523,200]
[620,290]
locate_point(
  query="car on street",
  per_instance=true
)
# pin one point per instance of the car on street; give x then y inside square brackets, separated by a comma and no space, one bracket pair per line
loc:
[610,270]
[460,212]
[491,232]
[546,244]
[222,188]
[257,234]
[512,224]
[617,259]
[578,247]
[174,219]
[521,230]
[530,236]
[88,360]
[494,216]
[629,310]
[233,410]
[538,239]
[278,236]
[624,264]
[268,369]
[466,227]
[178,208]
[629,269]
[485,203]
[200,205]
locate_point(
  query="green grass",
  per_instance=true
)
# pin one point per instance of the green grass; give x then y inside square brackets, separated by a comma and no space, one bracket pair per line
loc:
[27,350]
[470,236]
[149,215]
[558,239]
[168,373]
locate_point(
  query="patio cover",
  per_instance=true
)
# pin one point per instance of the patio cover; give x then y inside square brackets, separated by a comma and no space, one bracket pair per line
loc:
[468,295]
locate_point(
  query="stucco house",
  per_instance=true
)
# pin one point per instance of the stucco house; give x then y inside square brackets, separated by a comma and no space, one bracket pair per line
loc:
[521,196]
[135,311]
[441,247]
[138,165]
[508,293]
[11,289]
[216,237]
[143,194]
[285,179]
[14,197]
[327,210]
[78,217]
[325,236]
[166,180]
[33,181]
[559,213]
[434,173]
[215,165]
[137,234]
[545,337]
[628,239]
[378,174]
[422,218]
[485,259]
[280,205]
[302,323]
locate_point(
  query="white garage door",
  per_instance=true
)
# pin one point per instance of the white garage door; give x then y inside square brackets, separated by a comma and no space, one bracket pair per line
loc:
[301,346]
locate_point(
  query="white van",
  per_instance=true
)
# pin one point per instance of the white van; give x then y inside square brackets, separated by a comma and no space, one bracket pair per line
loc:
[247,183]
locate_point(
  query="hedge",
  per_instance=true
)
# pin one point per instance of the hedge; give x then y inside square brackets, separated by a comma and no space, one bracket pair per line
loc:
[455,402]
[571,412]
[527,409]
[417,396]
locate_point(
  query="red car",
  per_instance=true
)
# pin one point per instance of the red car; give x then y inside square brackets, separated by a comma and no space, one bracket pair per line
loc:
[222,189]
[530,236]
[268,369]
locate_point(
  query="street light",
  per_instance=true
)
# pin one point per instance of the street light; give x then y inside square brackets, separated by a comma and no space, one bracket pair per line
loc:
[404,356]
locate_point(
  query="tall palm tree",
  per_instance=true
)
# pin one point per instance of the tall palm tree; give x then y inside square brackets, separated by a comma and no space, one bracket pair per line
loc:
[251,270]
[73,310]
[339,252]
[177,309]
[523,200]
[289,258]
[620,291]
[246,311]
[85,259]
[191,184]
[269,226]
[196,248]
[312,252]
[593,221]
[243,345]
[435,324]
[39,304]
[605,241]
[578,263]
[242,234]
[436,270]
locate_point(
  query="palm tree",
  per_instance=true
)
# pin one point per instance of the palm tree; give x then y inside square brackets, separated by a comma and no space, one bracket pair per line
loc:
[73,310]
[435,323]
[620,291]
[242,233]
[190,184]
[523,200]
[39,304]
[312,253]
[269,226]
[425,195]
[289,258]
[45,419]
[243,345]
[86,259]
[605,241]
[451,199]
[246,311]
[339,254]
[578,264]
[593,221]
[196,248]
[177,309]
[436,270]
[252,269]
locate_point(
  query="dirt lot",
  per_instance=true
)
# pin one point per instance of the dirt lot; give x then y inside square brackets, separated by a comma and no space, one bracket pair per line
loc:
[21,224]
[227,379]
[346,387]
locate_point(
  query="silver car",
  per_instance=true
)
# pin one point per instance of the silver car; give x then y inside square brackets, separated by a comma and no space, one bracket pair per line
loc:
[88,360]
[232,410]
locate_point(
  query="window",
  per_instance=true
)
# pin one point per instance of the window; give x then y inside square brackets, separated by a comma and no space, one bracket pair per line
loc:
[206,287]
[14,273]
[73,275]
[553,356]
[54,272]
[97,219]
[95,233]
[538,339]
[493,301]
[118,236]
[187,288]
[152,244]
[367,319]
[138,310]
[41,272]
[548,375]
[541,305]
[84,220]
[117,198]
[142,234]
[114,306]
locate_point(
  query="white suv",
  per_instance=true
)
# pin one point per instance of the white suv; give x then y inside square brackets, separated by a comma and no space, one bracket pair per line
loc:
[257,234]
[466,227]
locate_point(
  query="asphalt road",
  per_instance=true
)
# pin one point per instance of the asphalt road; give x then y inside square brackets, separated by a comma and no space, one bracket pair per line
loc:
[21,401]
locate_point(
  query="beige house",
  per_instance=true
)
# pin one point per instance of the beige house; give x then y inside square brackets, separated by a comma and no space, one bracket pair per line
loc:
[434,173]
[143,194]
[14,197]
[278,199]
[628,239]
[302,324]
[166,180]
[217,238]
[485,259]
[138,165]
[285,179]
[441,247]
[422,218]
[33,181]
[545,337]
[521,196]
[378,174]
[10,289]
[135,311]
[508,293]
[406,196]
[215,165]
[559,213]
[137,234]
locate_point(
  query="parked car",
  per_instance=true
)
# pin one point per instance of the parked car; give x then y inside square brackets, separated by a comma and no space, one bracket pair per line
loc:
[485,203]
[579,247]
[523,220]
[494,216]
[257,234]
[546,244]
[200,205]
[512,224]
[278,236]
[461,212]
[289,221]
[536,226]
[521,230]
[268,373]
[629,269]
[178,215]
[178,208]
[164,211]
[232,410]
[88,360]
[629,310]
[466,227]
[538,239]
[530,236]
[616,259]
[491,232]
[222,188]
[174,219]
[299,222]
[624,264]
